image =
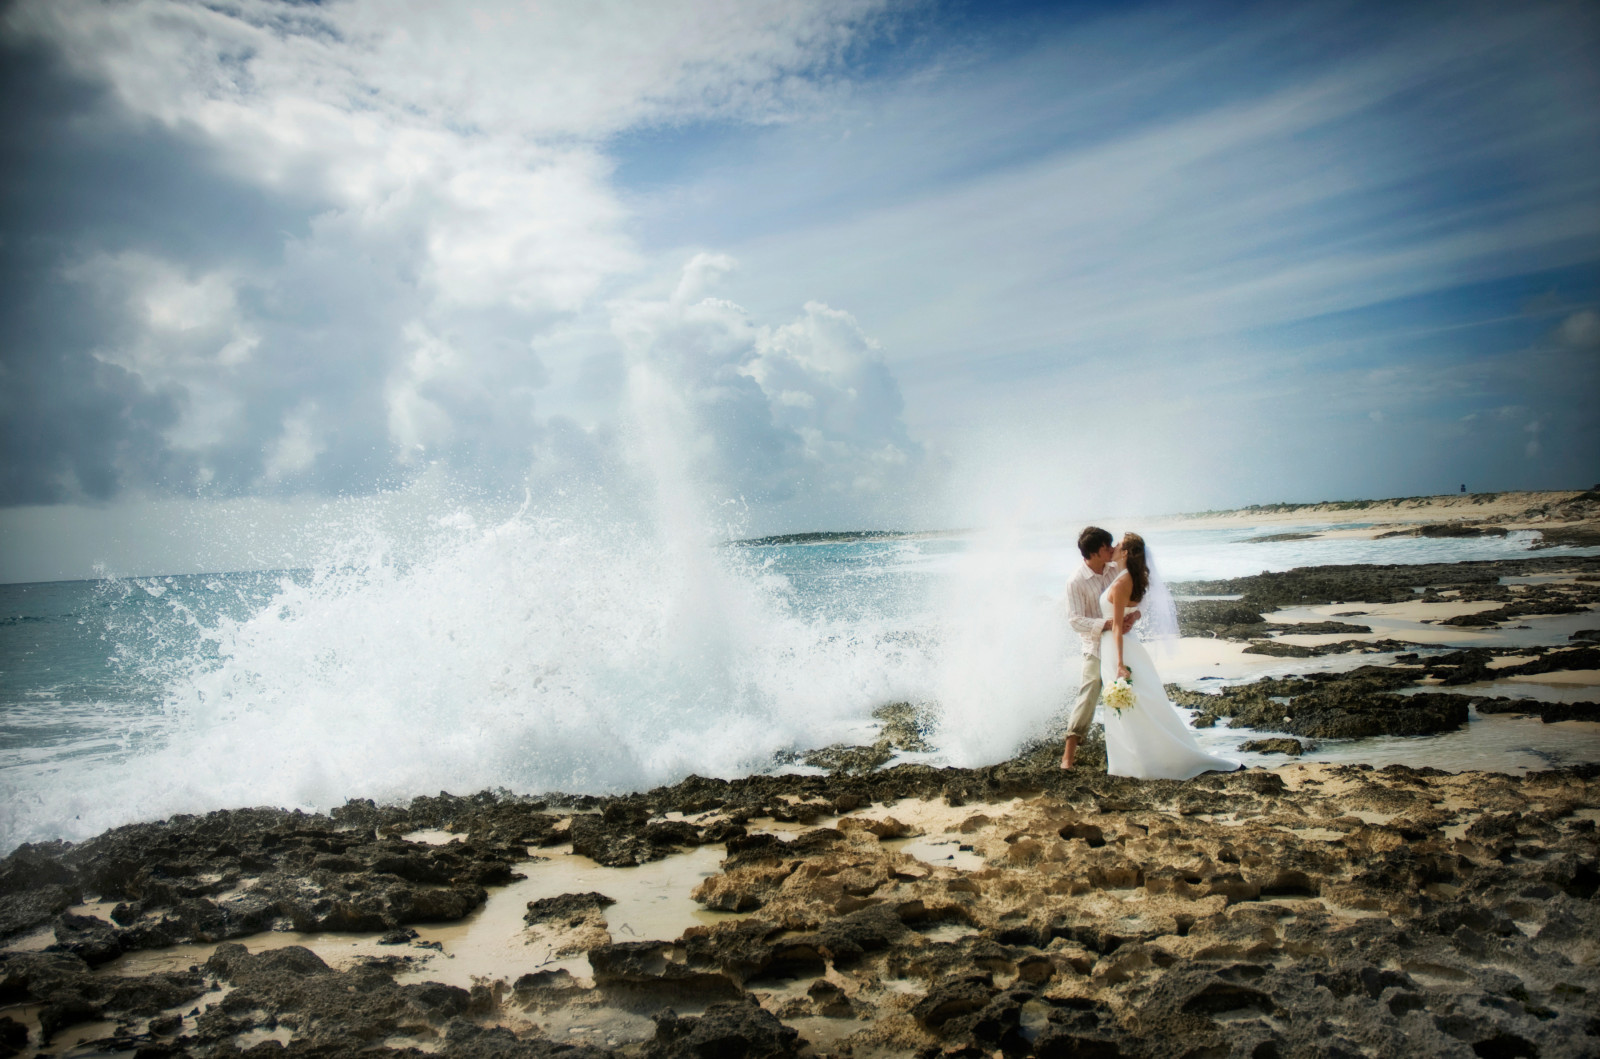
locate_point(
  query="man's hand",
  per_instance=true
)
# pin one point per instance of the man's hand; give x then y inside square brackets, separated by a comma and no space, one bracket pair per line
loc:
[1127,621]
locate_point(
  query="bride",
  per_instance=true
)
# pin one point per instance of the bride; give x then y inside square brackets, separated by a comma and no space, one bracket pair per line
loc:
[1148,740]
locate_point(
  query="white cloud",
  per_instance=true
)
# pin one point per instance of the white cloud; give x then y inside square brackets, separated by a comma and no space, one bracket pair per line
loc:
[482,126]
[417,423]
[454,166]
[802,419]
[296,449]
[185,336]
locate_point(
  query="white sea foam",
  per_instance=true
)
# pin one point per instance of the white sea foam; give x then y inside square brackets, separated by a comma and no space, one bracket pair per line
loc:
[537,654]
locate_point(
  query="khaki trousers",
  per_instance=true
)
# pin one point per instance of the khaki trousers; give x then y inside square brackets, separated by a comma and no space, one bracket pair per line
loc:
[1088,697]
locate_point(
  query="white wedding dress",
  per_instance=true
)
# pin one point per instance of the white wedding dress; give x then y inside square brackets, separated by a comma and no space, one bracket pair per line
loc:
[1149,740]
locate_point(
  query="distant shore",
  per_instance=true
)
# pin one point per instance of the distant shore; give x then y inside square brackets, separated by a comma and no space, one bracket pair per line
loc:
[1564,516]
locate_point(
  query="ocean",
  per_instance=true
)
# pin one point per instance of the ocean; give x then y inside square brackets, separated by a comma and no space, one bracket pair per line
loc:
[536,654]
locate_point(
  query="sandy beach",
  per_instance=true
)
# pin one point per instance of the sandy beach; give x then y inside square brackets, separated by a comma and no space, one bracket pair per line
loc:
[1558,512]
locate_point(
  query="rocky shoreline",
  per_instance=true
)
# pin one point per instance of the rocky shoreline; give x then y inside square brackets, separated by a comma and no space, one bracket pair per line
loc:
[886,909]
[1313,910]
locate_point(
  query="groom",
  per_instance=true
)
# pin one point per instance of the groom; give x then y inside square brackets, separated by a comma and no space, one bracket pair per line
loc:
[1084,587]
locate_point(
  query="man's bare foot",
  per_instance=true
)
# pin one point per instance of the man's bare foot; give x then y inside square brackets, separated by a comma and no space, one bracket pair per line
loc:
[1071,752]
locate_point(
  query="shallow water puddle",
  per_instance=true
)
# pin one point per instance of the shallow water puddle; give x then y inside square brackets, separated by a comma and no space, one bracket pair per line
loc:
[1489,742]
[1540,688]
[652,903]
[1418,622]
[949,930]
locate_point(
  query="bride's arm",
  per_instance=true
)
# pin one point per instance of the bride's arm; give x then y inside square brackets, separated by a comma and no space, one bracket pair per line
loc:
[1121,593]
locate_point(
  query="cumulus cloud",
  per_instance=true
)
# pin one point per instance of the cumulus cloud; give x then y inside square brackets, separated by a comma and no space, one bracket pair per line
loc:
[350,225]
[803,419]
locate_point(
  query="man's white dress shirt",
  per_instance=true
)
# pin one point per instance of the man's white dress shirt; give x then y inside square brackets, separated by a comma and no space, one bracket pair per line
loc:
[1083,604]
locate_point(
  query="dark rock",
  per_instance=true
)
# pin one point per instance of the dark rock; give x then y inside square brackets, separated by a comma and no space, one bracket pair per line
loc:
[1373,583]
[1332,706]
[1279,649]
[831,1001]
[1273,537]
[36,866]
[656,966]
[849,760]
[1292,747]
[1320,628]
[88,937]
[166,1025]
[1449,529]
[1472,621]
[949,999]
[1080,1028]
[1553,661]
[999,1023]
[438,1002]
[739,1029]
[1551,712]
[1567,537]
[873,929]
[26,909]
[568,909]
[235,962]
[558,984]
[1226,619]
[613,843]
[1548,712]
[58,1015]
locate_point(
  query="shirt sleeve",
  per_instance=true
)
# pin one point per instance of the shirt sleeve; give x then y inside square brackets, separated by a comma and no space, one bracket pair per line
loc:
[1083,609]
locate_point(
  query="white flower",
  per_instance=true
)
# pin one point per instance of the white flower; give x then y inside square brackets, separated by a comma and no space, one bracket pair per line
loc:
[1119,694]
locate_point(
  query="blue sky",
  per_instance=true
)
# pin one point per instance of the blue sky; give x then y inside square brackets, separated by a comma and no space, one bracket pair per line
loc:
[865,263]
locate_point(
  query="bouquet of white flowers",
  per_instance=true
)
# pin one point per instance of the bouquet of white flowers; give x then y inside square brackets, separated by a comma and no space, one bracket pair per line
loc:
[1119,694]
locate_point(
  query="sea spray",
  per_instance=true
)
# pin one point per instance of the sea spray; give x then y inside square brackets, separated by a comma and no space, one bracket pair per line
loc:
[536,654]
[1002,673]
[596,643]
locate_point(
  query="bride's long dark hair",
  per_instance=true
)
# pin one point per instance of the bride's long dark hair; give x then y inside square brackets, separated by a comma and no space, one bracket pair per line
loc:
[1137,565]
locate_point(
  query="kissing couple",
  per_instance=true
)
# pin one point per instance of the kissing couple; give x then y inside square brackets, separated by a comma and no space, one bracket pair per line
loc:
[1146,737]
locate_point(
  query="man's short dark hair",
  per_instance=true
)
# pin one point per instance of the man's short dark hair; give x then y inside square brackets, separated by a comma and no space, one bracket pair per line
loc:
[1092,539]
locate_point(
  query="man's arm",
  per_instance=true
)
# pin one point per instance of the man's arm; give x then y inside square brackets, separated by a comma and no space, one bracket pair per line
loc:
[1083,609]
